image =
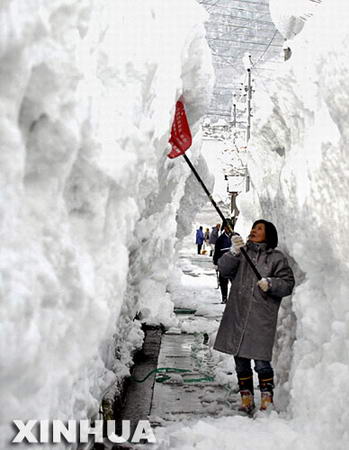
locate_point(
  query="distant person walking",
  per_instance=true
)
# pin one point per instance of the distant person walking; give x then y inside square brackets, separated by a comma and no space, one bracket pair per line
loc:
[213,237]
[222,246]
[206,238]
[199,239]
[248,325]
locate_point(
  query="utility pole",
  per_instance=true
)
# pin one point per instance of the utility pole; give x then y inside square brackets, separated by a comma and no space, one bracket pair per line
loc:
[248,130]
[249,97]
[234,210]
[234,114]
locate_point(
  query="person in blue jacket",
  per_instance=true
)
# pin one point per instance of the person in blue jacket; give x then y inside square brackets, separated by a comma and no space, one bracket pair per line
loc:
[199,239]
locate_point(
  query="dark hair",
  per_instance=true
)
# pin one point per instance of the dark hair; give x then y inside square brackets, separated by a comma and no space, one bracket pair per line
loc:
[271,234]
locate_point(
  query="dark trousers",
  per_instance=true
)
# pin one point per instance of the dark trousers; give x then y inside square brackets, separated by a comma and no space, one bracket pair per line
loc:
[243,366]
[199,248]
[223,283]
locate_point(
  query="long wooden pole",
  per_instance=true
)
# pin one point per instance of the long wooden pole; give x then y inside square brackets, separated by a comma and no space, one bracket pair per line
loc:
[243,251]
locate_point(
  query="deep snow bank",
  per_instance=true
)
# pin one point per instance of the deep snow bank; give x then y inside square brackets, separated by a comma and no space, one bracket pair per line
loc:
[298,161]
[299,170]
[88,198]
[289,17]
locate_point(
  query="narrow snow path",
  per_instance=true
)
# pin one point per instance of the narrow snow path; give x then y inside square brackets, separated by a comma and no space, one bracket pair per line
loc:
[209,389]
[204,415]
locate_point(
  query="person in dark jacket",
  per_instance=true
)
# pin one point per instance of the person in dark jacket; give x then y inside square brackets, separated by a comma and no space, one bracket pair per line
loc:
[248,326]
[199,239]
[222,245]
[206,240]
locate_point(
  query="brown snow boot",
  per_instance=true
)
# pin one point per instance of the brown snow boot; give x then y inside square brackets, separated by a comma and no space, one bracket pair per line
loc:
[246,391]
[266,385]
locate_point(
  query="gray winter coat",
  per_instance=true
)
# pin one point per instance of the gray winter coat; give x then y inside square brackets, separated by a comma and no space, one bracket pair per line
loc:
[213,235]
[249,320]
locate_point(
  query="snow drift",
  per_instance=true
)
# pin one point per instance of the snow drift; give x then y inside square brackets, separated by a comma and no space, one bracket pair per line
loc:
[289,17]
[299,167]
[88,198]
[298,162]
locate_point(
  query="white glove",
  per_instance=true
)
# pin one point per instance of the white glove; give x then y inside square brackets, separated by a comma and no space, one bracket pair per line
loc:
[264,284]
[215,267]
[236,243]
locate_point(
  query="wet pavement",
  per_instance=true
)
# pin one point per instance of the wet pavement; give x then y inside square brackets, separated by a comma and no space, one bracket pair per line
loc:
[200,383]
[198,393]
[191,394]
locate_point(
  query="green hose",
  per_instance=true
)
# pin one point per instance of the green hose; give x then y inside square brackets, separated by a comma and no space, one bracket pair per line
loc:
[199,380]
[165,370]
[161,370]
[184,311]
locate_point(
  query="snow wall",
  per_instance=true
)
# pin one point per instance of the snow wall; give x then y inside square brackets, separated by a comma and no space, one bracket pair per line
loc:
[289,17]
[300,180]
[90,204]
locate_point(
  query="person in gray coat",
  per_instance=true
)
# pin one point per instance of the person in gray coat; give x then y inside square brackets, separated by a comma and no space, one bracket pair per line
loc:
[213,237]
[247,329]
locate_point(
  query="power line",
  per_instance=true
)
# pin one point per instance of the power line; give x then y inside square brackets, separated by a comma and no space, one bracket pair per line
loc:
[255,3]
[244,42]
[240,35]
[217,114]
[265,68]
[220,111]
[245,1]
[255,50]
[211,5]
[236,26]
[233,8]
[244,18]
[230,88]
[226,21]
[228,8]
[265,51]
[275,62]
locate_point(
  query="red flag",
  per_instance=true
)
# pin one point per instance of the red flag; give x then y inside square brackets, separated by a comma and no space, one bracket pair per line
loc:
[180,133]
